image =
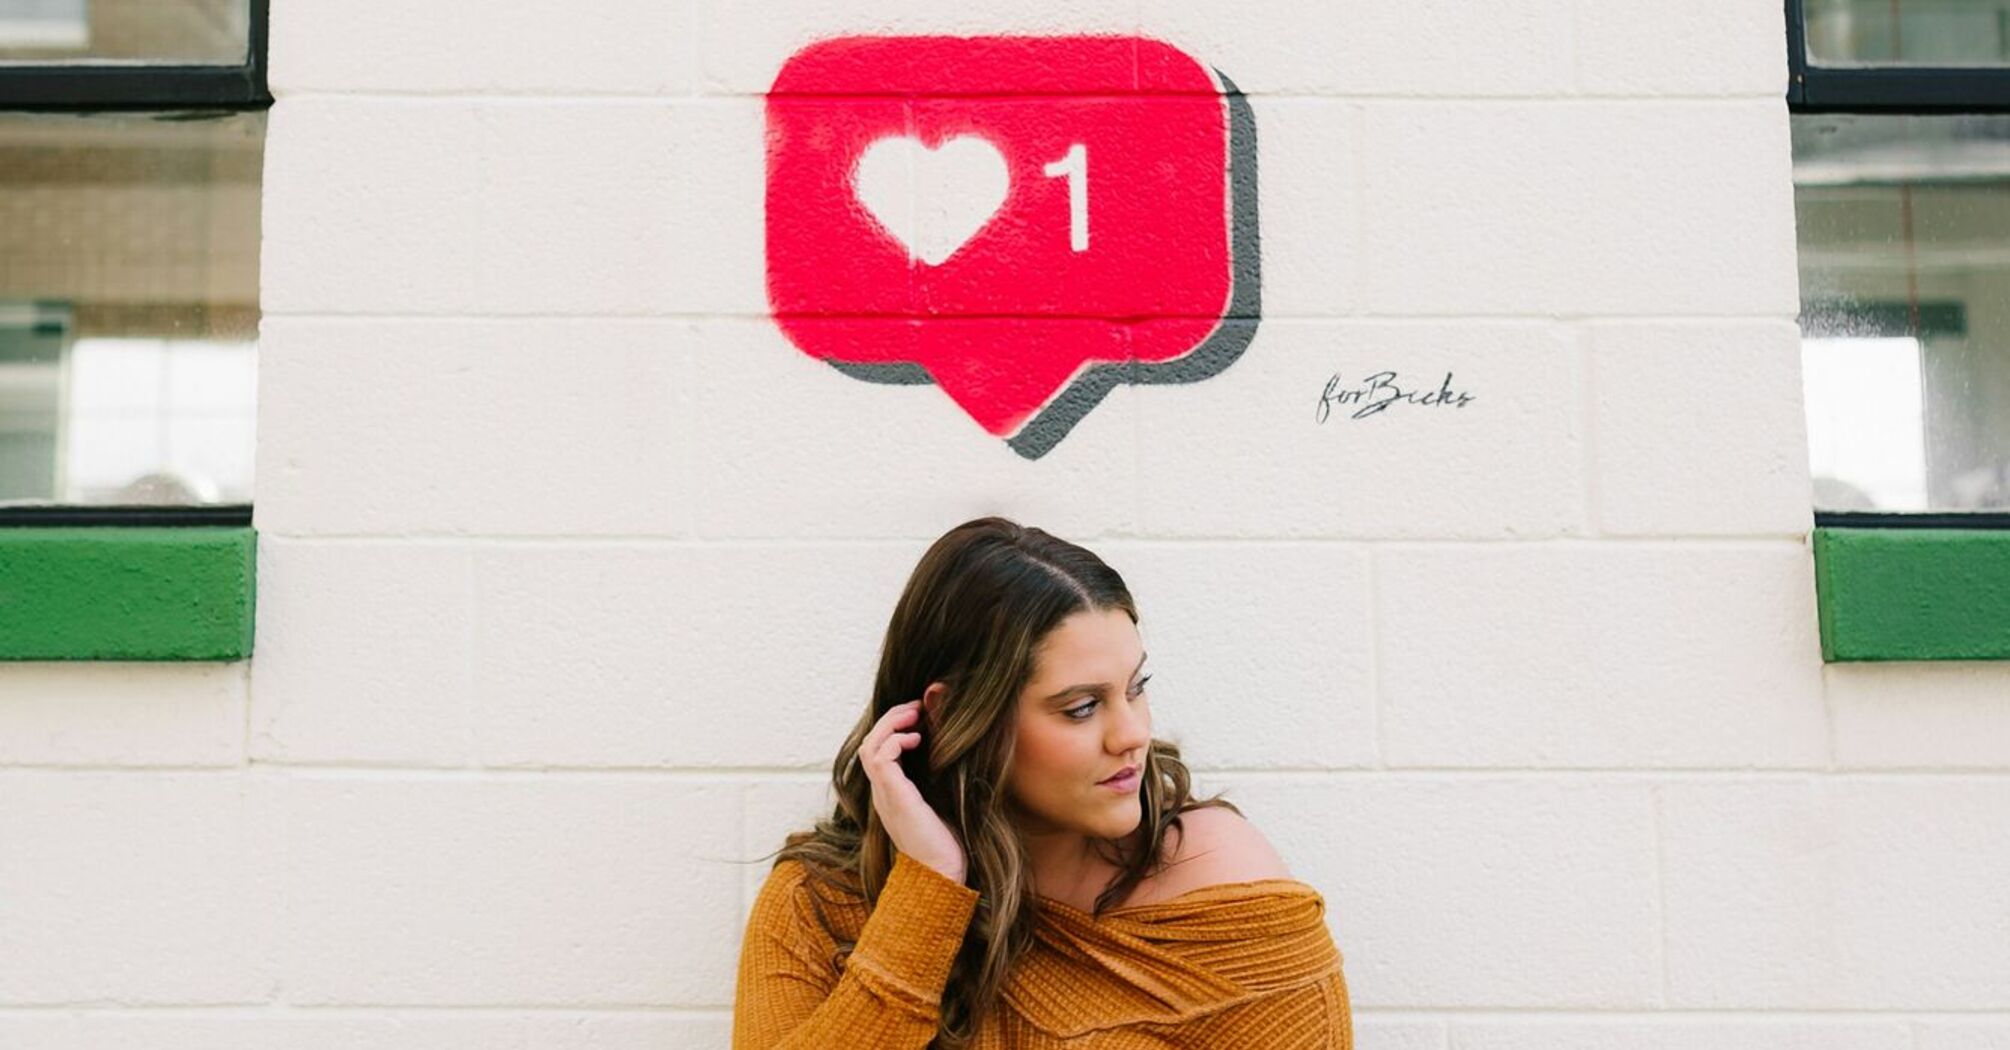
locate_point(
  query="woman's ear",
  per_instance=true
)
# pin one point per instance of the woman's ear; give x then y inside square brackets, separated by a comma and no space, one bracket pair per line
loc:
[931,701]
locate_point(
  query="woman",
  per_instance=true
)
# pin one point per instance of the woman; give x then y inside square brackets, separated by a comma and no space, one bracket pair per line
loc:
[1013,860]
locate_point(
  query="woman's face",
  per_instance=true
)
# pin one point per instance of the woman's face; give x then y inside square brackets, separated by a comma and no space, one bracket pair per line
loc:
[1081,719]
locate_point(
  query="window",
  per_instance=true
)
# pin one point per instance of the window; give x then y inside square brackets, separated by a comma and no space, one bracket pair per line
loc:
[1900,115]
[131,157]
[131,153]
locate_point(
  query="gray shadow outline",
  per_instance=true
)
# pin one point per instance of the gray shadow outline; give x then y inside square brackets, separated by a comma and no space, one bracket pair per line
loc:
[1237,327]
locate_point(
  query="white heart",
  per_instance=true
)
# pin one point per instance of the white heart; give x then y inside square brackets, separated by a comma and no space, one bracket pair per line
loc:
[932,200]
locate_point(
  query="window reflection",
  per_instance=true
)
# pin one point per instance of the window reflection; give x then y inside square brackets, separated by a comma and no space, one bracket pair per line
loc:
[1858,33]
[1866,433]
[128,307]
[166,32]
[1904,232]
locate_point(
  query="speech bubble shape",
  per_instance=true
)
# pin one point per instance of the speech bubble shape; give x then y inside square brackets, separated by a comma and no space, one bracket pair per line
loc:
[1124,249]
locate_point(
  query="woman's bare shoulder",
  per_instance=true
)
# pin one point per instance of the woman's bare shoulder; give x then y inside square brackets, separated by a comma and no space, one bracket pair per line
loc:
[1214,845]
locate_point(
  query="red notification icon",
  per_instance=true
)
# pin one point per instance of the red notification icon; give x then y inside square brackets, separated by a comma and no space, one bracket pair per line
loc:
[1023,221]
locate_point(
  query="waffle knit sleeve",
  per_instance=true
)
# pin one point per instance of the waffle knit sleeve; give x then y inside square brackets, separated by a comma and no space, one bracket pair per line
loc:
[889,994]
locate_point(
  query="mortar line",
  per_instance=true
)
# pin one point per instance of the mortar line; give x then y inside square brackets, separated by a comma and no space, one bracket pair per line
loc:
[1587,410]
[758,316]
[706,92]
[1376,635]
[331,771]
[471,753]
[1671,541]
[1658,795]
[1529,1015]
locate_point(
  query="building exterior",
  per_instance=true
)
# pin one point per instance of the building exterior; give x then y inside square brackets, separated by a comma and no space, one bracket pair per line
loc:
[571,566]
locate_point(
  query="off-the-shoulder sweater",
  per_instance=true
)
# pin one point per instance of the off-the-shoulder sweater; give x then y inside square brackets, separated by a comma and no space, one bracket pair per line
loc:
[1248,964]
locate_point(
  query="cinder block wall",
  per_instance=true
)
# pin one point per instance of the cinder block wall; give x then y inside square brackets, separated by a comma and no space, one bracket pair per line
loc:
[572,570]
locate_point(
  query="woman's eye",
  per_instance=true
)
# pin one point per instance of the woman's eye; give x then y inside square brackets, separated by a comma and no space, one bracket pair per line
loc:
[1084,711]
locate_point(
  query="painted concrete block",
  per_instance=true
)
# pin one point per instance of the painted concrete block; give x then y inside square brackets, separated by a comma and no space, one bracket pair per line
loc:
[1957,1033]
[363,653]
[624,208]
[1680,1033]
[122,714]
[530,892]
[134,889]
[743,47]
[1698,428]
[1873,894]
[1922,716]
[370,204]
[1602,655]
[1310,174]
[246,1029]
[771,810]
[1377,47]
[708,655]
[1236,680]
[1376,1033]
[431,206]
[543,46]
[1578,208]
[1723,47]
[793,448]
[1250,453]
[1474,892]
[533,427]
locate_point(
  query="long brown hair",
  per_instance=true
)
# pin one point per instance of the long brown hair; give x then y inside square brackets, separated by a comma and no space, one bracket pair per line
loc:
[971,616]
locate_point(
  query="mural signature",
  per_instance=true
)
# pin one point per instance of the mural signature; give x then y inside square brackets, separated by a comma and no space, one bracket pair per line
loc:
[1380,390]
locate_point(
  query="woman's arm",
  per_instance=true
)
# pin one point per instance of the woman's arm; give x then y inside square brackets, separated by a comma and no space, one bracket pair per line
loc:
[890,994]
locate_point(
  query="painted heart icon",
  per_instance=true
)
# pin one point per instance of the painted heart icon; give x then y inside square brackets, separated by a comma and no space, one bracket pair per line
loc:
[932,201]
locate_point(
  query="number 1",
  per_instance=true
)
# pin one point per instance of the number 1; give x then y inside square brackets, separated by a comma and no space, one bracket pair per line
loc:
[1074,164]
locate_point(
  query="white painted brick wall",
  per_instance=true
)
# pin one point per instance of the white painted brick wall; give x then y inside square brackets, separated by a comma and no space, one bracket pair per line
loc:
[577,891]
[1611,654]
[560,427]
[1677,1034]
[573,571]
[1843,893]
[1943,717]
[120,714]
[1962,1034]
[1688,436]
[532,205]
[129,888]
[1578,207]
[1476,891]
[742,46]
[1243,454]
[614,47]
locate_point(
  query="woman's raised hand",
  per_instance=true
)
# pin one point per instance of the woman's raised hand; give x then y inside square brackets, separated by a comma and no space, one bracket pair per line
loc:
[910,822]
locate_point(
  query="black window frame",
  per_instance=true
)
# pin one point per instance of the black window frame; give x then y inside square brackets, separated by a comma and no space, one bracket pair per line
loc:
[84,87]
[1893,90]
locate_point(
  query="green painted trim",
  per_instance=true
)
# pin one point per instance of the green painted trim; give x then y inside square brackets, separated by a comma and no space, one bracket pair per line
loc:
[121,593]
[1913,594]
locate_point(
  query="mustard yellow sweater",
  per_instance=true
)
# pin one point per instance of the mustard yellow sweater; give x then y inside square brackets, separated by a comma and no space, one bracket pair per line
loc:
[1247,964]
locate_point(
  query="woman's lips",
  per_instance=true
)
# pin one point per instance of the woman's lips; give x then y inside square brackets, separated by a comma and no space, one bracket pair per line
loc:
[1124,781]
